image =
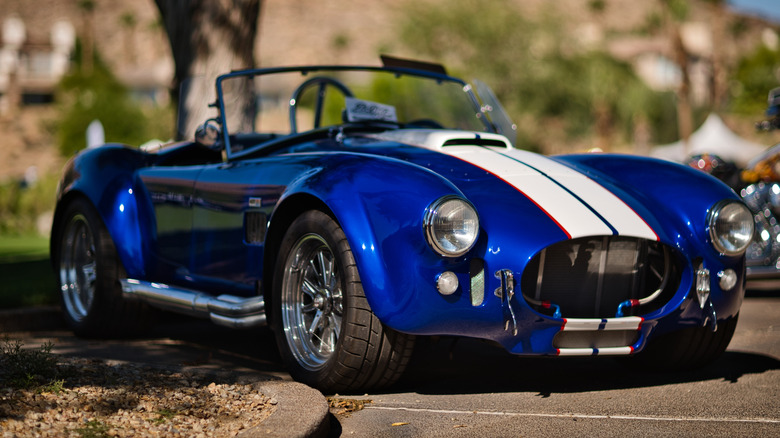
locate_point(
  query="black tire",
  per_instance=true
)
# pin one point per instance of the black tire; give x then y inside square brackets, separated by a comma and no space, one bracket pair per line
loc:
[88,270]
[686,349]
[326,332]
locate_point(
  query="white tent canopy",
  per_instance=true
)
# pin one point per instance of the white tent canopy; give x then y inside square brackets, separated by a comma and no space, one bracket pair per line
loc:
[713,137]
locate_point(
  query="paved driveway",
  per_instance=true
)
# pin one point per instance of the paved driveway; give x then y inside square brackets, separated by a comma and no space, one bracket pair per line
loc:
[472,389]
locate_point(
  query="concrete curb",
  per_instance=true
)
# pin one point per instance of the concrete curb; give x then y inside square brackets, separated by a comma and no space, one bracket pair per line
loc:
[301,411]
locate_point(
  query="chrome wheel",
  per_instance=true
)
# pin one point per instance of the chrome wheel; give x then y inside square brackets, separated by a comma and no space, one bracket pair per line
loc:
[327,335]
[312,302]
[77,268]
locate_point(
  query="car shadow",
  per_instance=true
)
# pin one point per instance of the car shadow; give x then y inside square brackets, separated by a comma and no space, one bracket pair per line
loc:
[464,366]
[440,365]
[450,365]
[180,343]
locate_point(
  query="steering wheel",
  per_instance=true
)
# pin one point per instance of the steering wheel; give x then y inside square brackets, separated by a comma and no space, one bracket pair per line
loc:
[322,82]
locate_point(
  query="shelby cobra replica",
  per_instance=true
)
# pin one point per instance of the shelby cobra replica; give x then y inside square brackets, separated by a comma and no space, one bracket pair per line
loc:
[402,209]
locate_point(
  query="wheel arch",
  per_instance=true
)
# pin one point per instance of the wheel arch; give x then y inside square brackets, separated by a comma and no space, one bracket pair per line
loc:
[283,216]
[106,179]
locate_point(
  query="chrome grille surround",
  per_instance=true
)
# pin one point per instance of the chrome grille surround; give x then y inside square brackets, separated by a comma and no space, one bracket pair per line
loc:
[595,277]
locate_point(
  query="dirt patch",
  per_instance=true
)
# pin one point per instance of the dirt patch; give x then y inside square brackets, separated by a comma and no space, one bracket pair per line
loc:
[97,398]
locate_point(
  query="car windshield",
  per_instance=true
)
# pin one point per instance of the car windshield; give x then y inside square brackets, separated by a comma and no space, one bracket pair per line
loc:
[281,102]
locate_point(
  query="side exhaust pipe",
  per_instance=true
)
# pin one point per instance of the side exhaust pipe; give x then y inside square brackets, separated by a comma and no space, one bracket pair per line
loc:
[225,310]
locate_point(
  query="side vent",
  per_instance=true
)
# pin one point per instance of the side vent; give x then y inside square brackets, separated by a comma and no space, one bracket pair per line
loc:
[255,227]
[477,276]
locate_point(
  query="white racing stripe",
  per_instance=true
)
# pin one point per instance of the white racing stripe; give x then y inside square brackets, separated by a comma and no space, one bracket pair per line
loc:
[581,206]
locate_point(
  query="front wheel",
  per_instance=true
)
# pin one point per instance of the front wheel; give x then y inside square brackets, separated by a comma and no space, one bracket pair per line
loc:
[88,269]
[327,334]
[687,349]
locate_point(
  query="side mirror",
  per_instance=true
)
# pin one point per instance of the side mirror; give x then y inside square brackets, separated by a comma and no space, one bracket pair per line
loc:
[207,134]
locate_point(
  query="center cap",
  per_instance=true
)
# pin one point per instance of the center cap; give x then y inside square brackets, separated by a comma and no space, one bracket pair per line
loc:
[321,302]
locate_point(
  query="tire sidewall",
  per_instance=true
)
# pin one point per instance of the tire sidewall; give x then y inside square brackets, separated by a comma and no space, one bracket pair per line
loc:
[321,224]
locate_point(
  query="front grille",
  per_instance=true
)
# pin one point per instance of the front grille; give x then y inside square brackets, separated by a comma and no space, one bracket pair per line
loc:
[590,277]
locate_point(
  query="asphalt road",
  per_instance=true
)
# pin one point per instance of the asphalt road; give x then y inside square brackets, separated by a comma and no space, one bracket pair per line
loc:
[471,388]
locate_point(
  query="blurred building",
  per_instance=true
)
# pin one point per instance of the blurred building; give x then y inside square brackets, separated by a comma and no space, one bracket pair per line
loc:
[38,42]
[30,68]
[38,39]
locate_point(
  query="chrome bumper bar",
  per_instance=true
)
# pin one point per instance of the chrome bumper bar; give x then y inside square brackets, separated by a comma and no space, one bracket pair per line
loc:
[225,310]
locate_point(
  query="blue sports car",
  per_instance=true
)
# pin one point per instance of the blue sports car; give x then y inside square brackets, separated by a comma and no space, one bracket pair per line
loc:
[353,208]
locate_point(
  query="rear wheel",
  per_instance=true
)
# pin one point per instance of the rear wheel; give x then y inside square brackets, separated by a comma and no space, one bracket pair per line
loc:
[88,270]
[690,348]
[327,334]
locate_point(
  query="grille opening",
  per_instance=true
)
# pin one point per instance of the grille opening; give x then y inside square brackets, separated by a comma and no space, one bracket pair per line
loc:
[595,339]
[590,277]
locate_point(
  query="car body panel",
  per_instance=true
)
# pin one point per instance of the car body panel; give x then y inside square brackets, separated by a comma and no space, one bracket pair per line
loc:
[211,225]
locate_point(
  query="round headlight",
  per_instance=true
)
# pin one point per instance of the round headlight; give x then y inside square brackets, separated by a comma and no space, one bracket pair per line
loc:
[451,226]
[731,227]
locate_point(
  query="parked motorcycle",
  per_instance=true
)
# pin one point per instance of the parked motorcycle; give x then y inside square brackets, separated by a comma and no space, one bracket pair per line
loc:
[759,185]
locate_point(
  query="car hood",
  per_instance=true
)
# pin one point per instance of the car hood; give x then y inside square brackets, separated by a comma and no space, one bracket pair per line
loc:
[570,200]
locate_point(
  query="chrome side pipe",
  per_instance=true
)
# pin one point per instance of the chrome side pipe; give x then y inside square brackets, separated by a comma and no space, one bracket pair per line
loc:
[225,310]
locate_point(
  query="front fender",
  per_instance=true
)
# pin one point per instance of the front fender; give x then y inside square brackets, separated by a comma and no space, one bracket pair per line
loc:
[379,203]
[106,177]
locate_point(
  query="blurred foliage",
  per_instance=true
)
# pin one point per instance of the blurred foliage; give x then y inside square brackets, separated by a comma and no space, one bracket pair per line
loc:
[23,203]
[96,94]
[756,74]
[28,278]
[28,368]
[538,72]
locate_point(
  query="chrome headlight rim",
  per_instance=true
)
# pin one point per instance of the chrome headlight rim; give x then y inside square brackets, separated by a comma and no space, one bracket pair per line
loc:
[722,243]
[432,234]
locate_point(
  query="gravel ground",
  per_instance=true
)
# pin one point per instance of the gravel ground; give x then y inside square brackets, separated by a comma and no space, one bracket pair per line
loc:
[94,398]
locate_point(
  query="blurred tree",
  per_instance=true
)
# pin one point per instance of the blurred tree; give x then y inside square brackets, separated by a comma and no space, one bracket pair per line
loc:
[719,68]
[540,73]
[128,22]
[208,38]
[675,13]
[756,74]
[87,34]
[84,96]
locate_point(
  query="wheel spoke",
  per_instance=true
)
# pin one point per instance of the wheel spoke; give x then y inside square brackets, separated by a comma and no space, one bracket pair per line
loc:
[323,268]
[328,341]
[309,289]
[88,271]
[315,322]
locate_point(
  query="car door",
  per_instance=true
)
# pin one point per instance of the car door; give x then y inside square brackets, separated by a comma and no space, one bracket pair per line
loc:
[170,190]
[231,206]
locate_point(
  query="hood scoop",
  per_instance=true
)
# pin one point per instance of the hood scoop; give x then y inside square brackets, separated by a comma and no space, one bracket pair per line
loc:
[437,139]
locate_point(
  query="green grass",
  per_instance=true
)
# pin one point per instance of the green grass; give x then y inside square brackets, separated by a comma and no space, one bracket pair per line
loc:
[26,273]
[21,248]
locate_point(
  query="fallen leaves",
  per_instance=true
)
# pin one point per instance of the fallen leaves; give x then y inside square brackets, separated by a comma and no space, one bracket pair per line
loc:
[345,406]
